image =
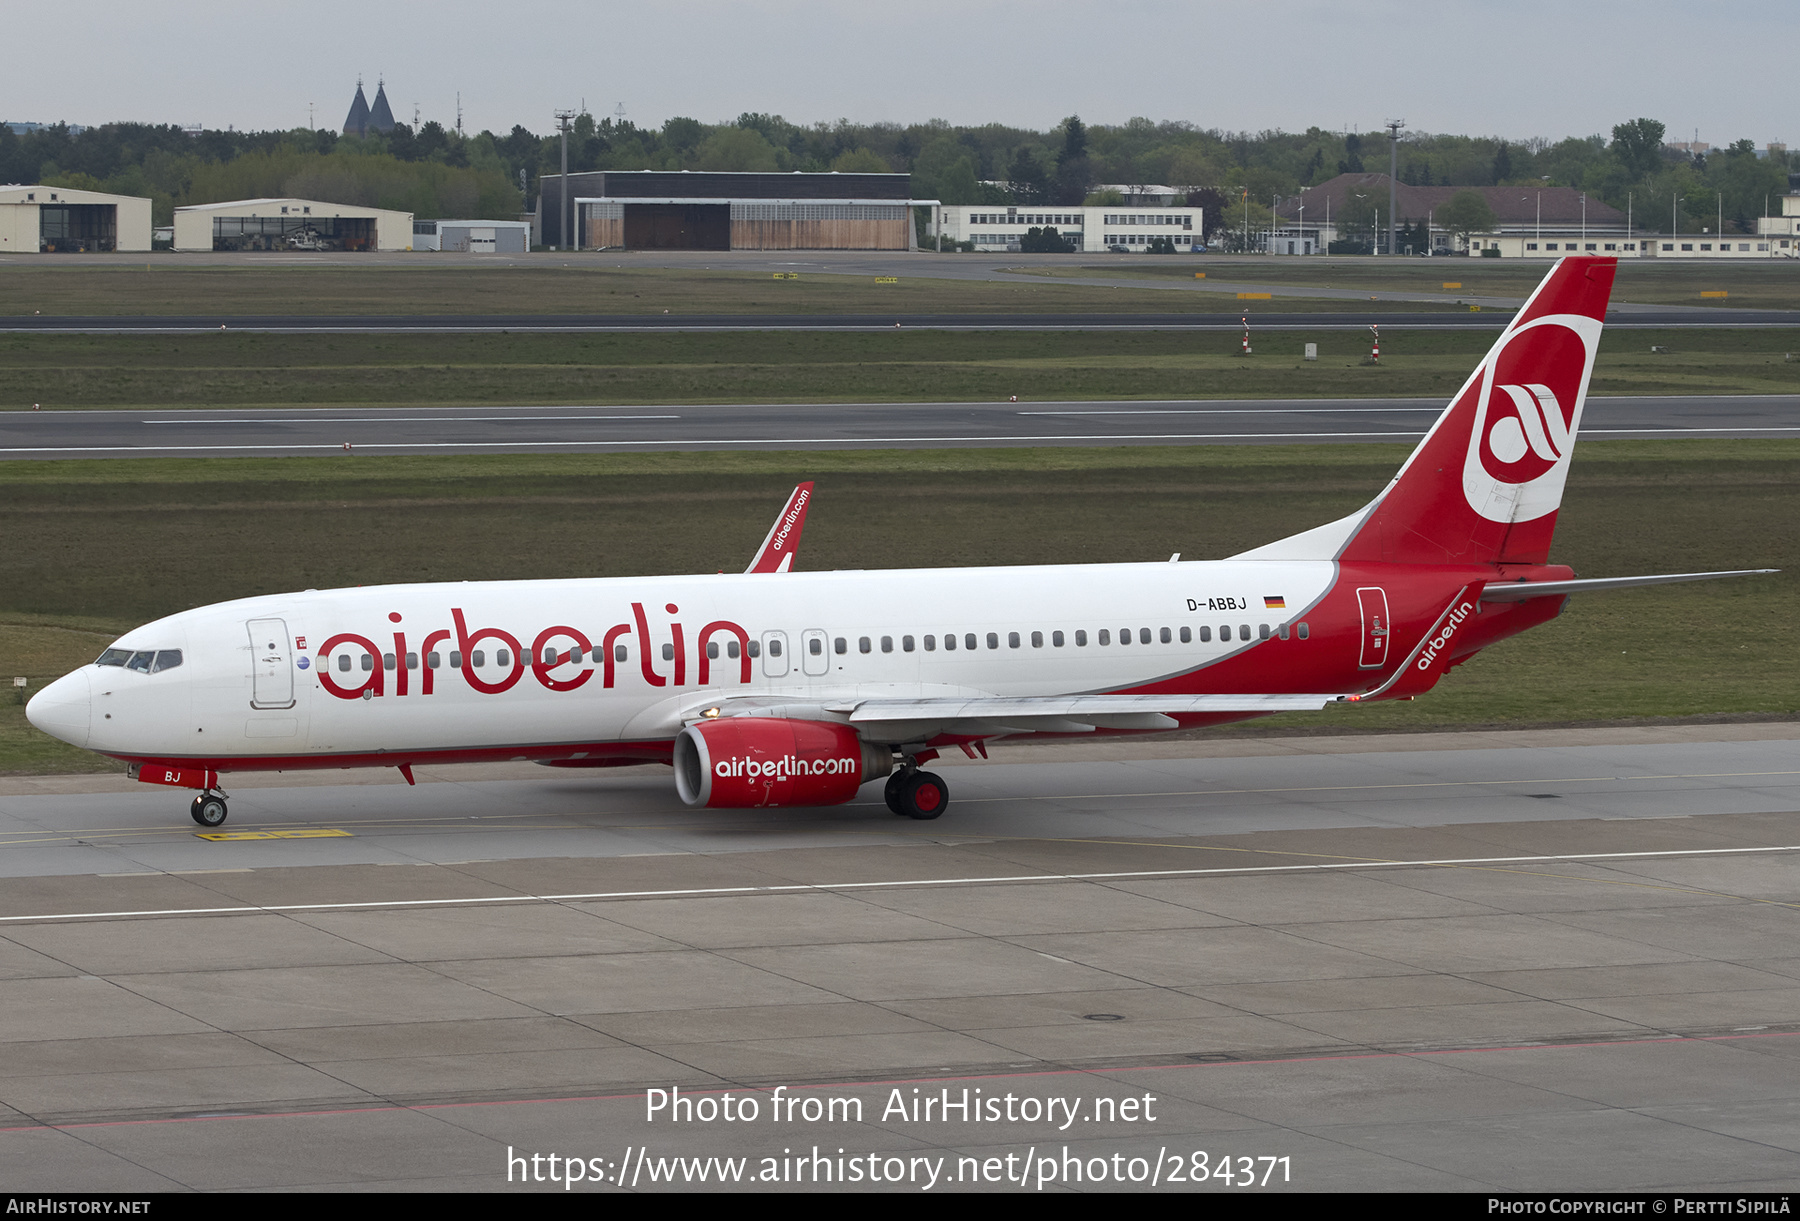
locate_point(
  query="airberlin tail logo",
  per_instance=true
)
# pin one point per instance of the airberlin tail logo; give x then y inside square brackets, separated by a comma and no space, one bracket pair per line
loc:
[1535,432]
[1530,408]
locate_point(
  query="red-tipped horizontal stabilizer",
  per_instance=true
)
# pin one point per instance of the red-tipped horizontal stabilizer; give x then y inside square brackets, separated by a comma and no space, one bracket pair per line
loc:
[783,542]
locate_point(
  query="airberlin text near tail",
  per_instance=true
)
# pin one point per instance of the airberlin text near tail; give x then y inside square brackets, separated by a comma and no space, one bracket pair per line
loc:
[777,688]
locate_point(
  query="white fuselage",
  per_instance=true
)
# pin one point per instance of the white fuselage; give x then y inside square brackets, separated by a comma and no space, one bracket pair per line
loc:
[325,674]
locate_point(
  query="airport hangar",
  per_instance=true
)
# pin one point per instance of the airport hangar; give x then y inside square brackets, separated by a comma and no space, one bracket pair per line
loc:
[38,218]
[689,210]
[290,224]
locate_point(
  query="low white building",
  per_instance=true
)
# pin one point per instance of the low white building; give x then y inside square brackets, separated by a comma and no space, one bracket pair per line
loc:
[1090,230]
[290,224]
[1782,233]
[473,236]
[36,219]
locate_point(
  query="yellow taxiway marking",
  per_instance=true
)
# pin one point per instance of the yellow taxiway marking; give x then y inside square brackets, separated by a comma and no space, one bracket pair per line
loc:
[302,833]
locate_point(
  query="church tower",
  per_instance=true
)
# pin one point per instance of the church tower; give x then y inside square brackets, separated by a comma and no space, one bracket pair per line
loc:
[358,123]
[381,118]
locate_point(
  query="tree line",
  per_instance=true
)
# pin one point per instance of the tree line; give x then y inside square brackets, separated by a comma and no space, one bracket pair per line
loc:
[438,171]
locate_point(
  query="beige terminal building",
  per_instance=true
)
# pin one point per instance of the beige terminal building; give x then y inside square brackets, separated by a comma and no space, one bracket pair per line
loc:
[41,219]
[290,224]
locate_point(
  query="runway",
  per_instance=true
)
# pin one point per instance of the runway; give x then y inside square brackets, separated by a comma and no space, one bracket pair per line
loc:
[289,431]
[1551,960]
[1490,318]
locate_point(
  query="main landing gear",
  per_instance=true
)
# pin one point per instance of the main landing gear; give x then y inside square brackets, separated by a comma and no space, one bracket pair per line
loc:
[208,809]
[916,794]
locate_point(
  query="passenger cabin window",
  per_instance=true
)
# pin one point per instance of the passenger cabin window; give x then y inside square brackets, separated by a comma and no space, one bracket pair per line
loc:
[906,644]
[368,661]
[1187,635]
[1105,637]
[949,642]
[1037,640]
[1205,634]
[968,640]
[930,643]
[477,658]
[456,660]
[1262,631]
[433,661]
[1081,639]
[619,653]
[887,644]
[774,648]
[840,646]
[501,658]
[863,645]
[993,640]
[816,647]
[1302,631]
[1165,636]
[731,649]
[1144,636]
[712,649]
[668,652]
[1056,638]
[387,661]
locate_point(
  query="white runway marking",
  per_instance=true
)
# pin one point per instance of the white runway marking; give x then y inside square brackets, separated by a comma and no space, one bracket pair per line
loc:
[1476,861]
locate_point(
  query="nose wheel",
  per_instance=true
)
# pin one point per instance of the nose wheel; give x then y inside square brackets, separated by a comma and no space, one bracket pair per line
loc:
[208,809]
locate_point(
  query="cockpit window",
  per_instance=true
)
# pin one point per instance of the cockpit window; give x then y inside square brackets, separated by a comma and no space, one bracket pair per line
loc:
[144,661]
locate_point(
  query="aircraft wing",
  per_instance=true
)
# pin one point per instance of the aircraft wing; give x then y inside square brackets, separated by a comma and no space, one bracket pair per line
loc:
[1519,591]
[904,718]
[778,550]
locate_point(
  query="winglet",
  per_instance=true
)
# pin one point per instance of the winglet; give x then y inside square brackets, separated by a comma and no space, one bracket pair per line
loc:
[777,551]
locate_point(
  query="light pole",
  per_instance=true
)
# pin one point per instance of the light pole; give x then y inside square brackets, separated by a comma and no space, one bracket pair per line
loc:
[1584,222]
[1393,127]
[565,207]
[1302,228]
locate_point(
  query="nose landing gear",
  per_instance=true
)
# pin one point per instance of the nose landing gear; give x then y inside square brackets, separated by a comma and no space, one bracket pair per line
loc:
[208,809]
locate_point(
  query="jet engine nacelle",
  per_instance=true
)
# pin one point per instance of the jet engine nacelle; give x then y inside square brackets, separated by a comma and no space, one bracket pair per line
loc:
[744,762]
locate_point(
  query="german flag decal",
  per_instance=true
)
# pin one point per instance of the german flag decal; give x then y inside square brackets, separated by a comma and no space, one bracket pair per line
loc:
[1274,603]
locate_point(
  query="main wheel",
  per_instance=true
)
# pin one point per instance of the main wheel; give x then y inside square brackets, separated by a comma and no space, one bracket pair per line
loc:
[924,795]
[891,793]
[208,809]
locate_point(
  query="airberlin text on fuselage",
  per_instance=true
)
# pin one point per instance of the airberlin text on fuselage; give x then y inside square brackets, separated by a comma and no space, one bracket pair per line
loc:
[557,640]
[1436,644]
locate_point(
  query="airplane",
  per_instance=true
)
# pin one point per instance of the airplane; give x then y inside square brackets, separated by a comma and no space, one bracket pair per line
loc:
[798,688]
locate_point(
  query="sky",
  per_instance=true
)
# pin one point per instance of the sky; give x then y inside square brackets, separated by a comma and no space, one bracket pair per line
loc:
[1528,68]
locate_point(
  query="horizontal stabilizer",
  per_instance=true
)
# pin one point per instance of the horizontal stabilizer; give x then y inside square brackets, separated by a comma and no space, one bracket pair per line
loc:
[1519,591]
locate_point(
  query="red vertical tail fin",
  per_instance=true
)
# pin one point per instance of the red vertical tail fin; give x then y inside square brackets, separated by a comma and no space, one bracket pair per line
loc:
[1485,484]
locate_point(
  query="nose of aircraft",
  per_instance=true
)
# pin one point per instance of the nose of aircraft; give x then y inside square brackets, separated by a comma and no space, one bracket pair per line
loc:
[62,709]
